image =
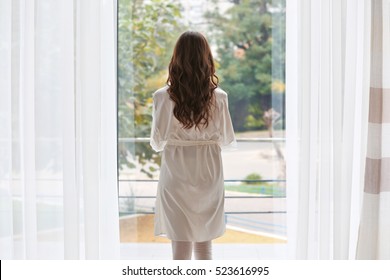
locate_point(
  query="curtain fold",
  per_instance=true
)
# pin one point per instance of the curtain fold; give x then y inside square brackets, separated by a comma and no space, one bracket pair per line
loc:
[6,213]
[328,113]
[58,175]
[374,232]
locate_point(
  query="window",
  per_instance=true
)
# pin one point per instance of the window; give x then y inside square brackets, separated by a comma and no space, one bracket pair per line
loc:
[248,42]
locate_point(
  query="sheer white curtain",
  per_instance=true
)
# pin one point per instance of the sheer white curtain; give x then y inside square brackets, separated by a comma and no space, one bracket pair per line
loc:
[374,231]
[58,176]
[327,95]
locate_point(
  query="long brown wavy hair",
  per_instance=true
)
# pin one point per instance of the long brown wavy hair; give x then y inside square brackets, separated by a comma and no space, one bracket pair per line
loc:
[192,80]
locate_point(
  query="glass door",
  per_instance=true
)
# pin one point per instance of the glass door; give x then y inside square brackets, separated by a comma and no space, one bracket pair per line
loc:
[248,43]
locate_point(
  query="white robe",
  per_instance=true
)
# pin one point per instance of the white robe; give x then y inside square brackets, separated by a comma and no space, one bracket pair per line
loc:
[190,194]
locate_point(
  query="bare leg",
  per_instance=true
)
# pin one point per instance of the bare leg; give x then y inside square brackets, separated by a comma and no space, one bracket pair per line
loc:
[181,250]
[203,250]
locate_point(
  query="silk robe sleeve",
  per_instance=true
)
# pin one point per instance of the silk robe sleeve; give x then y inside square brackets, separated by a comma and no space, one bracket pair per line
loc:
[160,123]
[228,139]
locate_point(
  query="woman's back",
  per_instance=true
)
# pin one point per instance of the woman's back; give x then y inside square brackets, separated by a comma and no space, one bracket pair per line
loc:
[191,124]
[167,129]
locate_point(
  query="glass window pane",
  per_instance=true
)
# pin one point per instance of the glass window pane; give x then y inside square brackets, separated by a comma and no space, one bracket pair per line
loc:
[248,43]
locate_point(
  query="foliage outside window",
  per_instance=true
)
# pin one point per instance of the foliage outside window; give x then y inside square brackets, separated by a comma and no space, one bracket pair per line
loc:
[249,43]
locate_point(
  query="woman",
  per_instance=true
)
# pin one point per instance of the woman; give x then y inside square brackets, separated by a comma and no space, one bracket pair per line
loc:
[191,123]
